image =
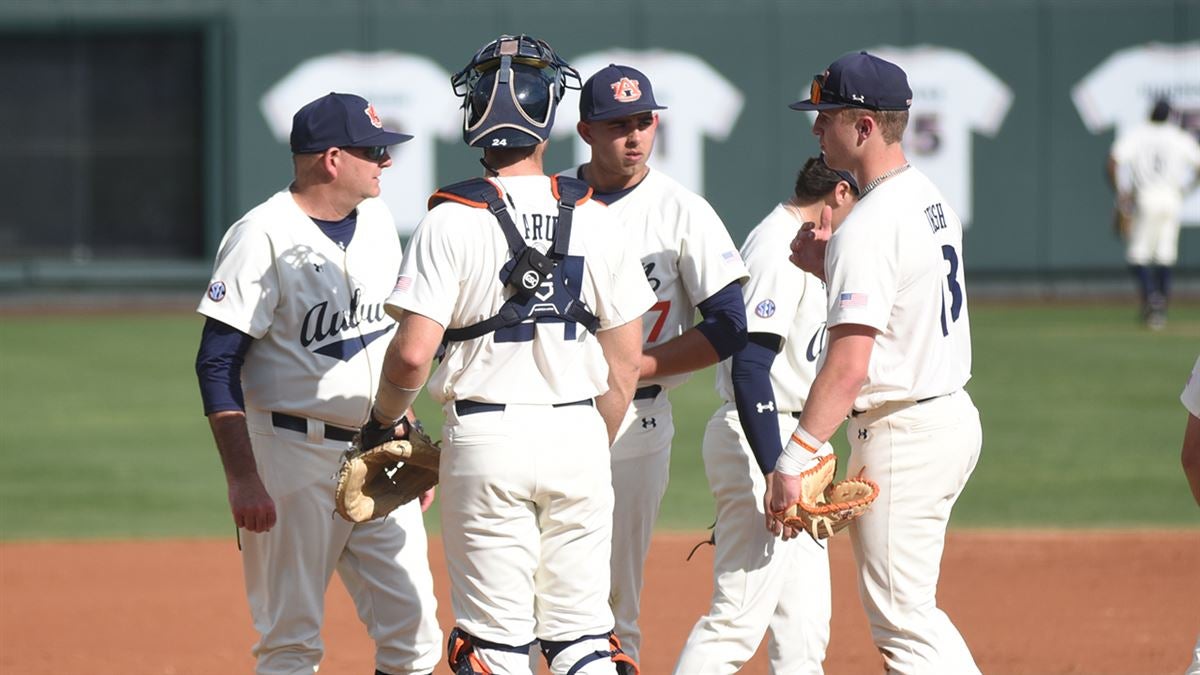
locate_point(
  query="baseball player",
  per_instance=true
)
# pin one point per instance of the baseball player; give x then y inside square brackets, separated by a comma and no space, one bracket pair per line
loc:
[288,361]
[1152,167]
[898,356]
[691,263]
[760,582]
[539,310]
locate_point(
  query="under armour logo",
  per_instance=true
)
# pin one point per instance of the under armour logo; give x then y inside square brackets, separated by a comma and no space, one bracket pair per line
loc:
[648,422]
[862,433]
[769,406]
[318,267]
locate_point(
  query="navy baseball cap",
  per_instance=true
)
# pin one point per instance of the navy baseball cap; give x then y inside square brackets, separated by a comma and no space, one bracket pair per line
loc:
[859,80]
[339,121]
[842,174]
[616,91]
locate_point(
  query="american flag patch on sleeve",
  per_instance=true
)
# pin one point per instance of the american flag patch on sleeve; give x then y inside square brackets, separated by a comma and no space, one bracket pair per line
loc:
[731,257]
[403,283]
[852,300]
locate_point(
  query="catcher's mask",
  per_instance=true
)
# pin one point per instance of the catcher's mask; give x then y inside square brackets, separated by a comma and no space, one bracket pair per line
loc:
[510,91]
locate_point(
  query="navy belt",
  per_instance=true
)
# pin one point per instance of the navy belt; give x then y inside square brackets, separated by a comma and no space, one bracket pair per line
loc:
[648,391]
[286,421]
[856,413]
[469,407]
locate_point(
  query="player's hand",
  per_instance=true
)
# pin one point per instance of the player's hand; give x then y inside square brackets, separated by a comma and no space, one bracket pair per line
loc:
[773,525]
[427,499]
[253,509]
[808,246]
[782,491]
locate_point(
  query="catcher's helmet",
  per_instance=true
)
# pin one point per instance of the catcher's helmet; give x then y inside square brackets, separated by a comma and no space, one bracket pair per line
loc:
[510,91]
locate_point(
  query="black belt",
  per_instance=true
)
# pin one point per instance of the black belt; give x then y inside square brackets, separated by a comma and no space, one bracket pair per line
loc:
[286,421]
[469,407]
[648,391]
[856,413]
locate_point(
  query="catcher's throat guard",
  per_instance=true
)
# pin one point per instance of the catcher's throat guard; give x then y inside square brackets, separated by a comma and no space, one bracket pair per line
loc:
[541,283]
[510,91]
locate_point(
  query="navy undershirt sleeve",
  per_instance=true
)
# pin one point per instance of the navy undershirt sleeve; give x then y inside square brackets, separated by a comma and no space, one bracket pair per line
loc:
[219,366]
[755,397]
[724,321]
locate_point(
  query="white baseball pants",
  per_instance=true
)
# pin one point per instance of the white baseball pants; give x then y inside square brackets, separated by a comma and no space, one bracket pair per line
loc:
[760,582]
[641,463]
[526,499]
[383,563]
[921,455]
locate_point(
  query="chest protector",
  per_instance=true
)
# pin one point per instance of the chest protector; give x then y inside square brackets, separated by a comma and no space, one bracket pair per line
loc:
[540,289]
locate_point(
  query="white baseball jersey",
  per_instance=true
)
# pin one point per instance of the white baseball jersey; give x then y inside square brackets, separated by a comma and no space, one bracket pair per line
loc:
[1191,391]
[783,300]
[701,103]
[953,96]
[450,274]
[314,309]
[1139,75]
[895,264]
[686,253]
[1157,158]
[411,94]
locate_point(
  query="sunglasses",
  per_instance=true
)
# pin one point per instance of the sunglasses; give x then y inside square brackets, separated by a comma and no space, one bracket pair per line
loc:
[814,91]
[818,94]
[373,153]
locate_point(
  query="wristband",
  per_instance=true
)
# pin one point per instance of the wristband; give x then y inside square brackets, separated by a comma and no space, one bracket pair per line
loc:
[392,400]
[801,452]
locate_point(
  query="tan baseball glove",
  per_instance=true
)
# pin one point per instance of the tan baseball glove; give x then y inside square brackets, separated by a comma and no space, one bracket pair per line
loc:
[374,482]
[825,508]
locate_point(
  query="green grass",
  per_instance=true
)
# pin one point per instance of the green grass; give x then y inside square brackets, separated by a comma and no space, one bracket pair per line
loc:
[102,433]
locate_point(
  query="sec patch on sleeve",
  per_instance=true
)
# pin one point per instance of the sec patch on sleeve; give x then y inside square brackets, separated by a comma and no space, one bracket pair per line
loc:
[765,309]
[216,291]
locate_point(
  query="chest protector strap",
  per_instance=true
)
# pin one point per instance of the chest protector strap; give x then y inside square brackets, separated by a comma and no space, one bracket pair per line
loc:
[530,273]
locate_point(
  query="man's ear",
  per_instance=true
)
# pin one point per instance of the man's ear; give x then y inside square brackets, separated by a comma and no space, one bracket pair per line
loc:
[865,126]
[584,130]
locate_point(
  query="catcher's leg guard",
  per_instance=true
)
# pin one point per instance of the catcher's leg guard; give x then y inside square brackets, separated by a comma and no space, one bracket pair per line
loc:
[461,656]
[586,649]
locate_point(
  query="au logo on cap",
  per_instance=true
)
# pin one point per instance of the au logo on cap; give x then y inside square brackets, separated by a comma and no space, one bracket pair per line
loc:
[626,90]
[373,116]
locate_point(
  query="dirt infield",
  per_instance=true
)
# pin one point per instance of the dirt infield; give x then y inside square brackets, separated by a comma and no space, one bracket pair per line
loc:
[1045,603]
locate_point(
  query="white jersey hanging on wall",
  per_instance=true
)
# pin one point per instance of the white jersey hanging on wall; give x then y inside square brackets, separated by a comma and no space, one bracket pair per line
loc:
[1120,91]
[700,103]
[953,96]
[414,94]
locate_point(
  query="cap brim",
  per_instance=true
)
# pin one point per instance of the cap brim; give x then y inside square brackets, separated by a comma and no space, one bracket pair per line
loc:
[625,112]
[383,138]
[807,104]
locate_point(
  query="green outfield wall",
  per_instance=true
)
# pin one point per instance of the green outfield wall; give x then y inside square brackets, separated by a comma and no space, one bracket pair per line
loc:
[1017,103]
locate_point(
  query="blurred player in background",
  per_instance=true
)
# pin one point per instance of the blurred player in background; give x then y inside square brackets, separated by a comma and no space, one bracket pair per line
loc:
[761,582]
[1153,167]
[691,263]
[288,361]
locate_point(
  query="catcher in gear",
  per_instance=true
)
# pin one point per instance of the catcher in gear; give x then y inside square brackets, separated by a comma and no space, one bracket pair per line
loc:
[381,472]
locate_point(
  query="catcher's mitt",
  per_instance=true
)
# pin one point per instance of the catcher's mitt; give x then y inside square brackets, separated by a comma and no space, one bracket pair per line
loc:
[825,509]
[373,482]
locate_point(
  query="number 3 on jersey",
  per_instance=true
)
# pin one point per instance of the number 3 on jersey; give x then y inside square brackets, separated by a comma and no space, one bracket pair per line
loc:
[956,292]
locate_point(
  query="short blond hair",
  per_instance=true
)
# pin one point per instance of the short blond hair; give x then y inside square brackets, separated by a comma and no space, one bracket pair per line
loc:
[892,123]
